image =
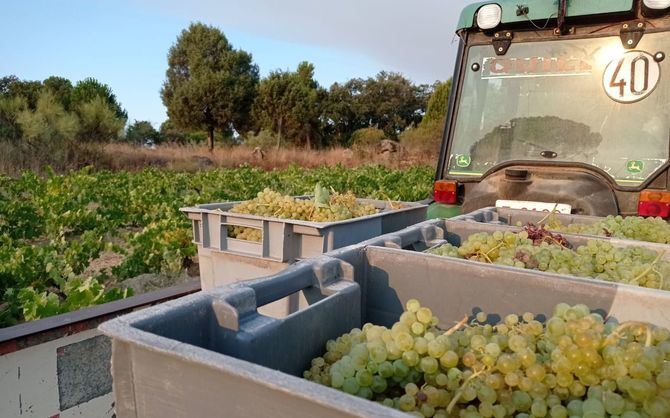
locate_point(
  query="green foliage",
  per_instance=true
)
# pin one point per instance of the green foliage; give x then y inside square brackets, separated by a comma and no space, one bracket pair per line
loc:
[264,139]
[428,133]
[49,121]
[90,89]
[288,103]
[77,293]
[393,102]
[436,110]
[98,121]
[387,101]
[343,111]
[366,137]
[170,133]
[61,88]
[10,108]
[42,113]
[6,82]
[29,90]
[51,228]
[209,84]
[142,131]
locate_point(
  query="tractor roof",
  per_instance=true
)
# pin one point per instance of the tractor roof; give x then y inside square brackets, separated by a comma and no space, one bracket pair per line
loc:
[544,9]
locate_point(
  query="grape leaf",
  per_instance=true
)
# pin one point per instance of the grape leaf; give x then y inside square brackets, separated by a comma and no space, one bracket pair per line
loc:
[321,196]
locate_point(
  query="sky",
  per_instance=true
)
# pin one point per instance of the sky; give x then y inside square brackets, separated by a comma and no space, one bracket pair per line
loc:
[124,43]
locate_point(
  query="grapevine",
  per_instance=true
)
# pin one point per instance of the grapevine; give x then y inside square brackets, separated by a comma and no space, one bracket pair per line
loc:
[53,227]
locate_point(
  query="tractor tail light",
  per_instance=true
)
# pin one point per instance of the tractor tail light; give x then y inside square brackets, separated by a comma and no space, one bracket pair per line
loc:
[445,191]
[654,203]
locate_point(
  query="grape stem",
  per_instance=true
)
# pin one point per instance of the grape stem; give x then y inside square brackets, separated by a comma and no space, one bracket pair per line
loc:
[456,327]
[649,268]
[459,392]
[629,324]
[493,249]
[553,210]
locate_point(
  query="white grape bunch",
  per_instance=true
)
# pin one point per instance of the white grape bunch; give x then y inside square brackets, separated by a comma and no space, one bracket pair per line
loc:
[598,259]
[269,203]
[575,364]
[632,227]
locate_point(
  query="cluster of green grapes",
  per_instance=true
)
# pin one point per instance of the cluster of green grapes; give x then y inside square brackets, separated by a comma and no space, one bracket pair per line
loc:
[245,233]
[598,259]
[273,204]
[633,227]
[574,365]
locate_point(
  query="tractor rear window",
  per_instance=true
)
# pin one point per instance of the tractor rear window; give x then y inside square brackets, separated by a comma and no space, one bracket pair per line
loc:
[587,101]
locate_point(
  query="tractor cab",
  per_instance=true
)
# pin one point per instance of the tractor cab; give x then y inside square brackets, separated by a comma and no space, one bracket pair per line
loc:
[560,102]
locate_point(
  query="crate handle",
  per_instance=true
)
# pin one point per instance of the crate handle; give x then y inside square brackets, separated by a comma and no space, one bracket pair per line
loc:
[243,298]
[255,248]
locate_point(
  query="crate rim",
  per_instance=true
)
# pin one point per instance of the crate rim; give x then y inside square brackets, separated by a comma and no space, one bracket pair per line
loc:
[319,225]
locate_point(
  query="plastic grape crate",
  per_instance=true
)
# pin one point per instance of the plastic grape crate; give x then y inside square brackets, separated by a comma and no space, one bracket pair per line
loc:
[511,217]
[288,240]
[212,353]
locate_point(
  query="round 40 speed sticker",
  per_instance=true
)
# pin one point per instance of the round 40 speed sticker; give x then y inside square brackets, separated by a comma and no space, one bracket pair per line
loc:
[631,77]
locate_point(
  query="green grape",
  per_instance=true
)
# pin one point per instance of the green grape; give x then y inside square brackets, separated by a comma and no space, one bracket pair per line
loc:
[407,402]
[379,384]
[597,259]
[424,315]
[411,389]
[350,385]
[575,365]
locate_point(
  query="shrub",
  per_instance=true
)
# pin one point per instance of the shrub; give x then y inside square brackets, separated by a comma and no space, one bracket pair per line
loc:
[263,139]
[367,137]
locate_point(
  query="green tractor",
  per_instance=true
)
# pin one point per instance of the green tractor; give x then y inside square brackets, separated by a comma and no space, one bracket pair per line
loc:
[559,104]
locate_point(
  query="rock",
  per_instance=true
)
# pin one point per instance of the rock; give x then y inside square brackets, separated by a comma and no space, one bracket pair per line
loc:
[348,154]
[258,153]
[148,282]
[388,146]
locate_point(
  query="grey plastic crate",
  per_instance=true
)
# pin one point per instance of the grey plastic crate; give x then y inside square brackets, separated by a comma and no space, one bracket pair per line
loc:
[224,260]
[507,216]
[212,353]
[288,240]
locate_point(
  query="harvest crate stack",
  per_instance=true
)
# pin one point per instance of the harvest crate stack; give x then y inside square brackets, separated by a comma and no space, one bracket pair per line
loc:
[365,329]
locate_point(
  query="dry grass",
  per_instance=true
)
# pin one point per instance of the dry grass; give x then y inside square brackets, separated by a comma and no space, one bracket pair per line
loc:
[197,157]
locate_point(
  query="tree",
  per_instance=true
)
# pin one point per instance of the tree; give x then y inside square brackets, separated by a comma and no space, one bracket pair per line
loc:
[49,121]
[29,90]
[98,121]
[343,111]
[61,88]
[209,85]
[388,101]
[10,108]
[428,133]
[288,103]
[6,82]
[169,132]
[142,131]
[392,103]
[89,88]
[436,109]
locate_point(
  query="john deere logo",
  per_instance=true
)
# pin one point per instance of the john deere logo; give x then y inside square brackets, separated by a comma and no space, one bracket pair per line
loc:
[635,166]
[463,160]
